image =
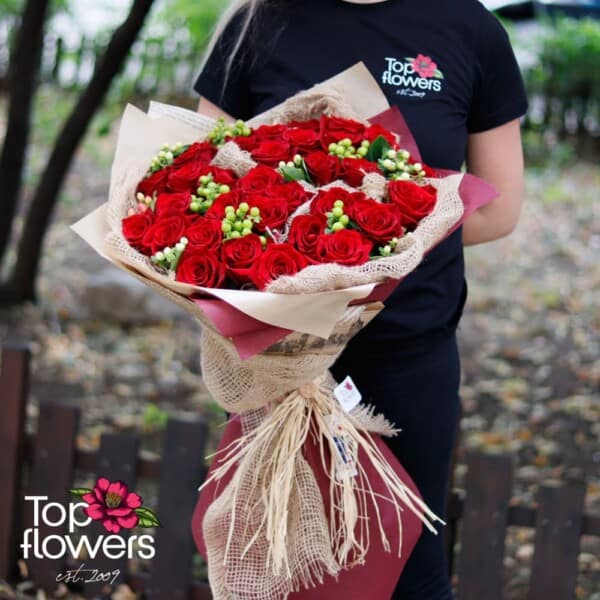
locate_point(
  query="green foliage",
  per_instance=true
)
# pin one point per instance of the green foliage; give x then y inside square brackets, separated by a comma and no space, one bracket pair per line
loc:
[196,17]
[155,418]
[569,60]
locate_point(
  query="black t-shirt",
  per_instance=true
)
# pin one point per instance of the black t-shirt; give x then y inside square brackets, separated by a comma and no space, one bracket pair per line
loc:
[467,81]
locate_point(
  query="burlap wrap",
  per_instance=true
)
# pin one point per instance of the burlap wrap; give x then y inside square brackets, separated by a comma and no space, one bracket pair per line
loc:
[267,533]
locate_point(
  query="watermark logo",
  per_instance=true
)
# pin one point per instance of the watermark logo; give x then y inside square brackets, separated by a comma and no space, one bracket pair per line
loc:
[413,75]
[109,502]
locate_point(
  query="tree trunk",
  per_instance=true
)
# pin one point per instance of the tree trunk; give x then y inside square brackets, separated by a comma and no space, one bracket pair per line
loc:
[22,81]
[21,285]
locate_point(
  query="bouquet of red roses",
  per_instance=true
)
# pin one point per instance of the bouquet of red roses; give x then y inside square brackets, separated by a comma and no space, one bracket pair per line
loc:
[282,235]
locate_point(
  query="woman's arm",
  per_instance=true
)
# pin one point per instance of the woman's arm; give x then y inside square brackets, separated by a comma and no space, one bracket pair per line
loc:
[496,155]
[211,110]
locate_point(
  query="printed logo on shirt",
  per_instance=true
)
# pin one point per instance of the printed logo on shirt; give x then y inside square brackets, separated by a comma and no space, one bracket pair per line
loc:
[413,76]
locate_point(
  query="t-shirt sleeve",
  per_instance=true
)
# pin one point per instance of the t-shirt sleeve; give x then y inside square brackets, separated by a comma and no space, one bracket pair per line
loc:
[499,93]
[228,90]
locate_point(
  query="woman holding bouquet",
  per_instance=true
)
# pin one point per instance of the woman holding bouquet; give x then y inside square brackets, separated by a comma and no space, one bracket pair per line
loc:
[449,67]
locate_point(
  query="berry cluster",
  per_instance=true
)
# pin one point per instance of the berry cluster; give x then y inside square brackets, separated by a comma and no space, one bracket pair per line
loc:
[206,193]
[336,218]
[218,136]
[396,165]
[169,257]
[166,156]
[345,149]
[239,223]
[389,247]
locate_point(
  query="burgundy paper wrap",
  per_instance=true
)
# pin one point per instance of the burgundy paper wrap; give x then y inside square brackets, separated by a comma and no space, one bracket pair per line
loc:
[375,579]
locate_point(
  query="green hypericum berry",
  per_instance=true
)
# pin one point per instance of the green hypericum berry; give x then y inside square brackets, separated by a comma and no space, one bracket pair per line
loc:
[337,212]
[365,143]
[344,220]
[263,240]
[244,207]
[235,235]
[226,227]
[254,211]
[338,204]
[362,151]
[337,226]
[332,147]
[194,206]
[246,232]
[247,224]
[230,217]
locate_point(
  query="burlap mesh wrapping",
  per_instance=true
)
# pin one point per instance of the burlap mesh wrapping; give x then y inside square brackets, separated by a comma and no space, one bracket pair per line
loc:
[267,534]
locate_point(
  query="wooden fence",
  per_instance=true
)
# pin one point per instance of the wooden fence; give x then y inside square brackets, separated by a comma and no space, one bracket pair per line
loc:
[45,463]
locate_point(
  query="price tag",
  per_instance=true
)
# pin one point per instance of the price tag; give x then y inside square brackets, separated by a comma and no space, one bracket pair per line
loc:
[346,452]
[347,394]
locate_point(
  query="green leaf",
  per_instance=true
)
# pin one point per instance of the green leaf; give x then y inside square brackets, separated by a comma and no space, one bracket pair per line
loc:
[79,492]
[411,58]
[147,517]
[293,173]
[438,74]
[377,149]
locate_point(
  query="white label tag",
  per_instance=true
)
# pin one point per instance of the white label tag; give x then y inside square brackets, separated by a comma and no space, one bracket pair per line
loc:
[347,394]
[345,454]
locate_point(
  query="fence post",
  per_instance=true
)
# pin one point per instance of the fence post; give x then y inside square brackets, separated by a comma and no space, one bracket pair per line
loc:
[557,530]
[488,491]
[14,387]
[51,477]
[182,471]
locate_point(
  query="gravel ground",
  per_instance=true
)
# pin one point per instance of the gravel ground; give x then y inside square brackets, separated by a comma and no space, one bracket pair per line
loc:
[530,341]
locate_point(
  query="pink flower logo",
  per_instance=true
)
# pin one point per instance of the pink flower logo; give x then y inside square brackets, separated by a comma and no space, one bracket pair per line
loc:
[425,67]
[112,503]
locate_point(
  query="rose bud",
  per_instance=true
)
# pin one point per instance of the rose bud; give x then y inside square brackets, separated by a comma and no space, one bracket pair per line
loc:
[345,247]
[205,234]
[275,261]
[323,168]
[164,232]
[199,267]
[413,201]
[305,232]
[134,229]
[334,129]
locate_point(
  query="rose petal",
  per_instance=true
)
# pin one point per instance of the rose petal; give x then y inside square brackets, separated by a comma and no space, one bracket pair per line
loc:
[121,511]
[133,500]
[95,512]
[89,498]
[128,522]
[117,487]
[111,525]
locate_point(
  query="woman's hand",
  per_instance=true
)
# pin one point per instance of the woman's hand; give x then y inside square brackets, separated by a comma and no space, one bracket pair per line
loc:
[496,155]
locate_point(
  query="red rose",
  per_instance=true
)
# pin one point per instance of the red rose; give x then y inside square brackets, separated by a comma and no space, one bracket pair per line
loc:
[413,201]
[198,152]
[323,201]
[135,227]
[258,179]
[275,261]
[223,176]
[269,132]
[185,178]
[354,170]
[334,129]
[172,204]
[304,140]
[165,232]
[313,124]
[322,167]
[204,234]
[246,142]
[293,192]
[345,247]
[217,209]
[240,254]
[274,211]
[305,232]
[380,222]
[271,152]
[155,183]
[199,267]
[372,132]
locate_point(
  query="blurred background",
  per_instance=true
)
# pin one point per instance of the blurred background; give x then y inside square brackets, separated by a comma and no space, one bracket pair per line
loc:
[530,336]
